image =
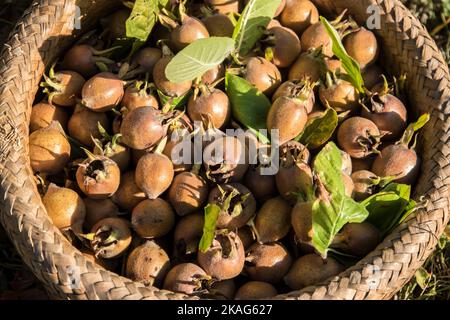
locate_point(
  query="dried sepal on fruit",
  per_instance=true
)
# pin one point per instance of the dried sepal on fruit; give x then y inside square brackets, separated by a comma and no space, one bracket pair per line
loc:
[237,205]
[359,137]
[111,147]
[225,257]
[98,177]
[366,183]
[110,237]
[224,159]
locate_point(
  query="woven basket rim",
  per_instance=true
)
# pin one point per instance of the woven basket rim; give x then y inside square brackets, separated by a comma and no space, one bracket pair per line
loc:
[49,255]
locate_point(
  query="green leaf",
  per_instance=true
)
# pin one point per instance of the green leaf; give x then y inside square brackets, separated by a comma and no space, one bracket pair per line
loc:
[422,278]
[318,131]
[143,18]
[252,23]
[333,211]
[330,217]
[211,214]
[199,57]
[403,190]
[174,102]
[387,207]
[419,124]
[348,63]
[250,106]
[327,166]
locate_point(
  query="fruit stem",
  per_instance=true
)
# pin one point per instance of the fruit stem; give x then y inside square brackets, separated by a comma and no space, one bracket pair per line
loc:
[411,130]
[216,83]
[329,80]
[253,229]
[182,11]
[49,82]
[103,60]
[196,169]
[90,155]
[161,145]
[167,22]
[339,18]
[51,72]
[104,52]
[123,71]
[102,66]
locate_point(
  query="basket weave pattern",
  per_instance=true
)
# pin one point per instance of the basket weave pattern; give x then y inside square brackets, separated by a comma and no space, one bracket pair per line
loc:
[43,34]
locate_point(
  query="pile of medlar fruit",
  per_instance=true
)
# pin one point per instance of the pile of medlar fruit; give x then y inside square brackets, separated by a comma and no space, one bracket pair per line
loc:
[102,139]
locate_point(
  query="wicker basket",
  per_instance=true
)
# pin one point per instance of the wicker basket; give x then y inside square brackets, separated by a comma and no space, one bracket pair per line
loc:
[45,32]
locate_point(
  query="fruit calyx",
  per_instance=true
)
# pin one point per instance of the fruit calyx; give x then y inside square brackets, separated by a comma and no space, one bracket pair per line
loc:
[232,201]
[293,152]
[108,144]
[370,143]
[96,167]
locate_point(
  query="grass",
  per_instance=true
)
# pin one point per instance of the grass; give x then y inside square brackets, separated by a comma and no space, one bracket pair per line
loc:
[431,282]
